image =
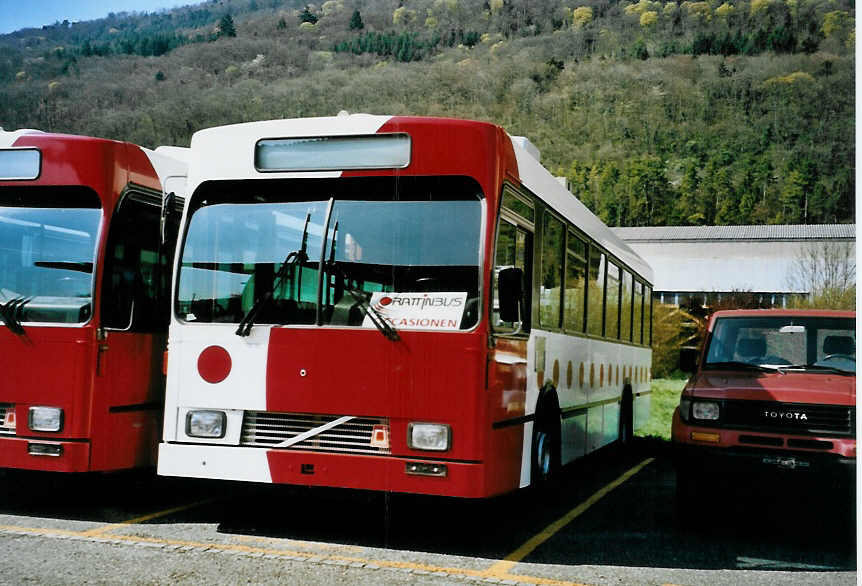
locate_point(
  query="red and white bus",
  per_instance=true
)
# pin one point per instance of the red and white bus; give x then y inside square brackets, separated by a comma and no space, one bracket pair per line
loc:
[395,303]
[86,235]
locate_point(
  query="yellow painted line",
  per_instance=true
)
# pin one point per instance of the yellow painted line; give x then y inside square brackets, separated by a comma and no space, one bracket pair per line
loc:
[302,555]
[39,530]
[311,545]
[144,518]
[502,567]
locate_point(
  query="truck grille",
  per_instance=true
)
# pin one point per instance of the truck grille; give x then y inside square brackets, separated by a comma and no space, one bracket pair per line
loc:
[795,418]
[266,429]
[4,409]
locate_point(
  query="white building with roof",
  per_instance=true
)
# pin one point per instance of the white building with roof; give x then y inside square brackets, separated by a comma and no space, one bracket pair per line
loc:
[708,261]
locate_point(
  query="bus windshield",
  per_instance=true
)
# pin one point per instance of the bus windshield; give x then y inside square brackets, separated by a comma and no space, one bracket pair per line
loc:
[320,251]
[47,250]
[784,343]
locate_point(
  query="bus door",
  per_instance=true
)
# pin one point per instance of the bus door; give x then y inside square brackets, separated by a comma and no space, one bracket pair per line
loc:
[132,335]
[508,359]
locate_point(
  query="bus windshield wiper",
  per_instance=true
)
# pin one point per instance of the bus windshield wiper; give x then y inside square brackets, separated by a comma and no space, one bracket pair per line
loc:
[297,257]
[83,267]
[12,313]
[378,320]
[331,266]
[737,364]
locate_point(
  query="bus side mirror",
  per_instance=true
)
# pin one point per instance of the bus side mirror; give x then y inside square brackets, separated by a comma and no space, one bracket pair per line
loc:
[510,288]
[688,359]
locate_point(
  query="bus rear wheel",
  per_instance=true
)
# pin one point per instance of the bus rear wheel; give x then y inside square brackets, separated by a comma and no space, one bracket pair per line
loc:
[546,452]
[626,429]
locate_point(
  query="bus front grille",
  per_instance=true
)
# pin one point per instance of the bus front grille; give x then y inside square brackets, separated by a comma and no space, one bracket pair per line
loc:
[267,429]
[5,428]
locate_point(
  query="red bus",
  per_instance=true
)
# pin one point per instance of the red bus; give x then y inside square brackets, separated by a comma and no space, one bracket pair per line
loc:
[395,303]
[86,234]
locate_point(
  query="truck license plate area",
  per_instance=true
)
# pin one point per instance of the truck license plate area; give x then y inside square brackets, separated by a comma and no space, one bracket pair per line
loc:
[786,463]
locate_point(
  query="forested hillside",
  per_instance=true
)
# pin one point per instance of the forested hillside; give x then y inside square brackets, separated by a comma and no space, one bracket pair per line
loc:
[713,112]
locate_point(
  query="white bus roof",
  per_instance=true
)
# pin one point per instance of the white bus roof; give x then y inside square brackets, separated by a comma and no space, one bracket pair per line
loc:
[210,160]
[171,165]
[8,137]
[540,181]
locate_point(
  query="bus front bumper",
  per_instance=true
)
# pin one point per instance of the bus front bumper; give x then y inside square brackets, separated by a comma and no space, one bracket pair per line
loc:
[43,454]
[364,472]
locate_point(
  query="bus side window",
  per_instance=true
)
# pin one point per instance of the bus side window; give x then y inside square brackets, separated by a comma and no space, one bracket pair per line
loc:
[638,313]
[514,249]
[596,292]
[612,302]
[130,283]
[647,315]
[626,308]
[550,290]
[576,284]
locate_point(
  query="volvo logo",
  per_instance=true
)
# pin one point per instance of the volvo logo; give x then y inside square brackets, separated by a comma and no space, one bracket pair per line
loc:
[797,415]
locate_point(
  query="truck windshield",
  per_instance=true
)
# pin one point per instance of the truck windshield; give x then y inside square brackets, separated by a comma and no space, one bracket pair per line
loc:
[811,343]
[48,242]
[411,243]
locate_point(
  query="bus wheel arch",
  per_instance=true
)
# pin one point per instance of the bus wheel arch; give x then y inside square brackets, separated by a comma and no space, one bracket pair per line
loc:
[545,460]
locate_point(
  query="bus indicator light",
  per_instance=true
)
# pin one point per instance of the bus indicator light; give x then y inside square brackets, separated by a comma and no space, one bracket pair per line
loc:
[10,420]
[380,437]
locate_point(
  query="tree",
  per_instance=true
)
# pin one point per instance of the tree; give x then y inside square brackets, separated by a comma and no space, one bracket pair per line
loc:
[307,16]
[356,21]
[226,27]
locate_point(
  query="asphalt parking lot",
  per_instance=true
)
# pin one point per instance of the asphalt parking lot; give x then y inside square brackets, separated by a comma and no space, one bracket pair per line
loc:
[612,519]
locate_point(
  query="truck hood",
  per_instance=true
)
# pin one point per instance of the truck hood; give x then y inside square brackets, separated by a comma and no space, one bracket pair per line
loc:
[792,387]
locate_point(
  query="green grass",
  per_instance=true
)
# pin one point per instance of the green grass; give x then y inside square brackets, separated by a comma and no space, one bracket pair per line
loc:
[663,400]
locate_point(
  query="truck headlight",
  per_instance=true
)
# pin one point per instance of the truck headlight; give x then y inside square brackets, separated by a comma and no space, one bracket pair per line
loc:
[45,419]
[435,437]
[705,410]
[210,424]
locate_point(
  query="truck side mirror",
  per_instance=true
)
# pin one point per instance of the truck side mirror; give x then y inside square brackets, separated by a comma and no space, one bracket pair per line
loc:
[688,359]
[510,289]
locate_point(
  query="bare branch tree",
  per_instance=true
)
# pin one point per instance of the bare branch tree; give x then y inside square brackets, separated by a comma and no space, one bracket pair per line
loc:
[827,272]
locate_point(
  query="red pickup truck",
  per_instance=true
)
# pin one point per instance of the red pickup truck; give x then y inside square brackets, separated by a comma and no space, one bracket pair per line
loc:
[771,391]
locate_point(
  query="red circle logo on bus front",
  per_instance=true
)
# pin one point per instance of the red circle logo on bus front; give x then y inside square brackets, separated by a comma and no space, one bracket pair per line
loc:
[384,301]
[214,364]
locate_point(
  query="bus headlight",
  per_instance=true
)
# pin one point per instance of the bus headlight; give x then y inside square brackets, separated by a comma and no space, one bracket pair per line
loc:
[435,437]
[705,410]
[45,419]
[209,424]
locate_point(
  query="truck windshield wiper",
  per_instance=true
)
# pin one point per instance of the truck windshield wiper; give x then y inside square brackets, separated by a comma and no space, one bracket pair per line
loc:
[729,364]
[805,367]
[12,313]
[297,257]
